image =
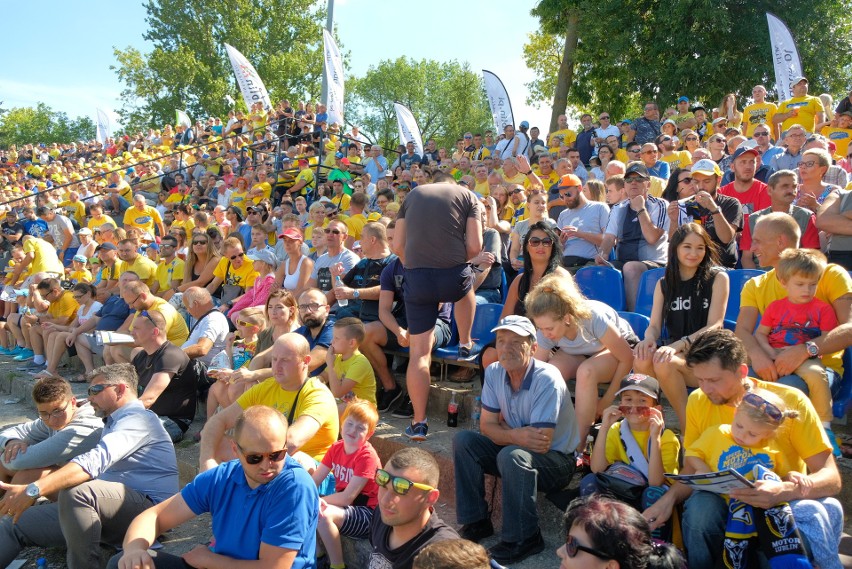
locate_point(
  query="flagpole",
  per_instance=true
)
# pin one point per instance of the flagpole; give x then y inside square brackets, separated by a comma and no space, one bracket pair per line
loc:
[329,25]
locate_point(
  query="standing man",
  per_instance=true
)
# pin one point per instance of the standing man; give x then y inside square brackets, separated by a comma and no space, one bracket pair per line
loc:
[563,136]
[794,140]
[132,468]
[751,193]
[801,109]
[758,113]
[606,129]
[405,521]
[510,146]
[647,127]
[528,433]
[264,506]
[582,224]
[447,223]
[640,226]
[586,138]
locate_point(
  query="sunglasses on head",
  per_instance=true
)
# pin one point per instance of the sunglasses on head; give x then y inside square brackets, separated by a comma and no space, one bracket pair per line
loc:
[257,457]
[536,241]
[763,405]
[144,314]
[399,484]
[572,546]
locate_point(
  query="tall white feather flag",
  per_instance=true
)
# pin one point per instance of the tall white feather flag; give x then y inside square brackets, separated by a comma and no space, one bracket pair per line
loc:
[103,131]
[182,118]
[498,100]
[408,129]
[251,85]
[334,79]
[785,56]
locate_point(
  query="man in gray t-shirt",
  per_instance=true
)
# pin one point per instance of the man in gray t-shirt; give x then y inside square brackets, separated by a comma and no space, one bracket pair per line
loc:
[582,223]
[438,229]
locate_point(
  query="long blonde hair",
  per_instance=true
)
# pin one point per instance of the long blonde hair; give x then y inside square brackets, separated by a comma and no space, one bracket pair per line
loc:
[557,296]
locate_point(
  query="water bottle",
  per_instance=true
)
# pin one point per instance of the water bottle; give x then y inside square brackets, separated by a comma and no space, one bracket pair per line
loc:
[42,563]
[339,282]
[476,414]
[453,412]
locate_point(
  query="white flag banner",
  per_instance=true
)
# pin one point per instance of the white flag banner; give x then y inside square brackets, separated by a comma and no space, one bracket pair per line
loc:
[498,99]
[408,129]
[181,118]
[103,131]
[334,79]
[785,56]
[251,85]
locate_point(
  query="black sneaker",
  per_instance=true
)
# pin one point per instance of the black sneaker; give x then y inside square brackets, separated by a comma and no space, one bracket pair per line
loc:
[477,531]
[405,410]
[389,398]
[464,352]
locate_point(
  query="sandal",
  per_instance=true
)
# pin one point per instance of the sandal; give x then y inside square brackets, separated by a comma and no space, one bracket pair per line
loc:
[79,378]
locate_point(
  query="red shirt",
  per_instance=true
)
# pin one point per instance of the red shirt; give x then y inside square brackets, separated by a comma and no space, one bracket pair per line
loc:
[754,199]
[362,463]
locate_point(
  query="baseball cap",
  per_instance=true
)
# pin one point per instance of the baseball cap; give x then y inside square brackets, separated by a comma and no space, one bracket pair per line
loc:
[669,121]
[292,233]
[740,151]
[569,181]
[683,99]
[626,121]
[106,247]
[720,119]
[80,258]
[520,325]
[85,231]
[338,155]
[798,79]
[264,255]
[697,108]
[637,168]
[524,124]
[706,167]
[345,161]
[153,246]
[641,383]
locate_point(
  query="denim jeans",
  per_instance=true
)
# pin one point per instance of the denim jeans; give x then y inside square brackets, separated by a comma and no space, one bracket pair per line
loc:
[524,474]
[799,383]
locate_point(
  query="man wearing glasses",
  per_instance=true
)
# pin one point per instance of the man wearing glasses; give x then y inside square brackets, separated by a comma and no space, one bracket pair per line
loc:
[405,521]
[582,224]
[335,236]
[264,506]
[64,429]
[604,131]
[132,467]
[794,140]
[528,431]
[60,308]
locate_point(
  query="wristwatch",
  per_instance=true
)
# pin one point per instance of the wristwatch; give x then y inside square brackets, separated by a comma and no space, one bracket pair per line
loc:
[356,294]
[813,349]
[33,491]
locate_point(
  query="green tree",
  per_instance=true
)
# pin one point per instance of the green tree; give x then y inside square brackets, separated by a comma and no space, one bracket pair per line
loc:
[189,69]
[631,50]
[26,125]
[447,99]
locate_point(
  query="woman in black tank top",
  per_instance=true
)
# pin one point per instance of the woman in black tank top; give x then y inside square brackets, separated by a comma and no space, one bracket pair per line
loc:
[688,300]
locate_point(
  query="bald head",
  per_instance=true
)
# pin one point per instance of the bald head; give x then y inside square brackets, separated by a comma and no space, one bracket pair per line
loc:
[260,419]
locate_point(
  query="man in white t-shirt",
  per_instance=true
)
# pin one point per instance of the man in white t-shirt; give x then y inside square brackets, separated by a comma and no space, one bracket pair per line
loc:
[207,336]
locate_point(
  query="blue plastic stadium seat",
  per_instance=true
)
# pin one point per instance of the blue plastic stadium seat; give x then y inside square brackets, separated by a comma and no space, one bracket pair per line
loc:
[639,322]
[645,294]
[504,286]
[486,318]
[603,284]
[738,278]
[844,396]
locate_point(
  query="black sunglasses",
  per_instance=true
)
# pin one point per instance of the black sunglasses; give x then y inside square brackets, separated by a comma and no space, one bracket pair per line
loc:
[235,257]
[572,546]
[763,405]
[687,180]
[199,242]
[95,389]
[334,231]
[144,314]
[257,458]
[536,241]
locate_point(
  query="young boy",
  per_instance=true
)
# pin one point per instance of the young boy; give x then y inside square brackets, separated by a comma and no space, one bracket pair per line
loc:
[354,462]
[240,351]
[349,372]
[258,241]
[640,440]
[78,273]
[799,319]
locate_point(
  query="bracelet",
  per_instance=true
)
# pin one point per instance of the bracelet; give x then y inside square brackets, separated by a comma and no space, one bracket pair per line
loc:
[527,173]
[715,212]
[687,341]
[476,269]
[641,210]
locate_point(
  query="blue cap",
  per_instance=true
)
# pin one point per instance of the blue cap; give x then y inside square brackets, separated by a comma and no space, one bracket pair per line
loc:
[339,155]
[524,124]
[683,100]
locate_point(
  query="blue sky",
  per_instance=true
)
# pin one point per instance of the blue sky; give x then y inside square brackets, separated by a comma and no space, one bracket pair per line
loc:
[68,52]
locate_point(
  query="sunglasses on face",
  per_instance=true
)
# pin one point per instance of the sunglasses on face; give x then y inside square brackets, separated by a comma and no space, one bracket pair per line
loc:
[761,134]
[763,405]
[245,324]
[517,191]
[257,457]
[199,242]
[631,410]
[235,257]
[95,389]
[687,180]
[333,231]
[399,484]
[537,241]
[692,138]
[572,546]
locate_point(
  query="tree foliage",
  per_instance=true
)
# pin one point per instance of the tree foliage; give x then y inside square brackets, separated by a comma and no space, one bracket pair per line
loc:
[26,125]
[631,50]
[447,99]
[189,69]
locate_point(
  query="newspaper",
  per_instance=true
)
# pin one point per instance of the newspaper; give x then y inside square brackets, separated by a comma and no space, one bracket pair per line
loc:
[105,338]
[717,482]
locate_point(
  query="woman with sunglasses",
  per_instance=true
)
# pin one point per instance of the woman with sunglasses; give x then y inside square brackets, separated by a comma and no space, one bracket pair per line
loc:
[294,272]
[200,263]
[602,532]
[537,208]
[605,156]
[691,142]
[233,274]
[61,338]
[717,145]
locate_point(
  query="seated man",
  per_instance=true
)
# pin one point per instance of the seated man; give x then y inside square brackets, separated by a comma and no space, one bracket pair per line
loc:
[307,403]
[528,432]
[208,334]
[275,525]
[57,306]
[63,430]
[640,226]
[718,360]
[166,375]
[406,521]
[132,468]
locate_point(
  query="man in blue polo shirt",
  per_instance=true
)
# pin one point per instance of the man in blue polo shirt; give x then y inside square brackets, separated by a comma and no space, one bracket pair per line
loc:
[528,432]
[264,505]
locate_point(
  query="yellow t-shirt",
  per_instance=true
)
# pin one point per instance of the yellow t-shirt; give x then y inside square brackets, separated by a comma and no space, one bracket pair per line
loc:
[358,369]
[44,257]
[518,178]
[238,199]
[356,224]
[264,187]
[64,308]
[548,180]
[77,210]
[678,159]
[188,225]
[242,277]
[315,401]
[341,201]
[170,271]
[797,439]
[178,197]
[84,276]
[112,273]
[565,136]
[669,447]
[309,232]
[621,156]
[483,189]
[307,176]
[145,220]
[758,113]
[808,107]
[142,266]
[176,330]
[840,137]
[95,222]
[765,289]
[717,448]
[679,118]
[658,185]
